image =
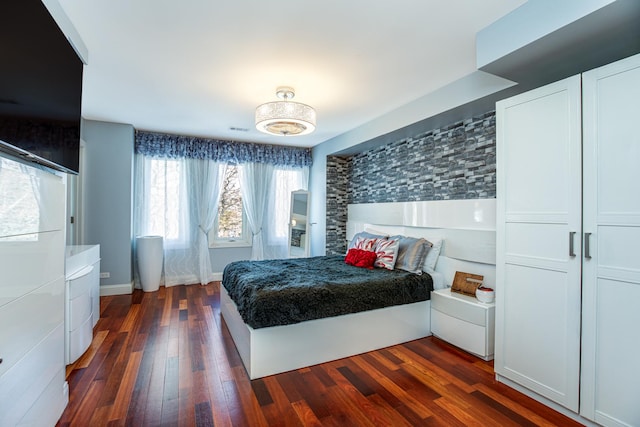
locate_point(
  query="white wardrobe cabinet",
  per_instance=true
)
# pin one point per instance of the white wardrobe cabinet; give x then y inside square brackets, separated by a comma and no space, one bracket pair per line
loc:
[610,382]
[538,209]
[568,262]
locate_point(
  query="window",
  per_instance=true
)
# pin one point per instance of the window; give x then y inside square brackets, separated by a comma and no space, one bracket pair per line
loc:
[166,202]
[284,182]
[230,228]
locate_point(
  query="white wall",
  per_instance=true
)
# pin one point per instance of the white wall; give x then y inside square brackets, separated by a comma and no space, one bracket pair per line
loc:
[107,191]
[528,23]
[220,257]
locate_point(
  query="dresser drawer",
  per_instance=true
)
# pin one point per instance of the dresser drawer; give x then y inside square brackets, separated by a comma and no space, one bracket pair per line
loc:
[28,264]
[80,311]
[461,307]
[27,320]
[80,340]
[467,336]
[30,377]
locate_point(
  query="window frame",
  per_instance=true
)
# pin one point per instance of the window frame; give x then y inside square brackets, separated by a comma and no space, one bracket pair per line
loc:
[245,241]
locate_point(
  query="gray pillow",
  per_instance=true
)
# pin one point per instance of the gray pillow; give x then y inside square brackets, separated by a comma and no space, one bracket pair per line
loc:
[411,253]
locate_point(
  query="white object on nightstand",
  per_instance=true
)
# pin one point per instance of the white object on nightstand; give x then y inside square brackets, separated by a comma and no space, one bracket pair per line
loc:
[464,322]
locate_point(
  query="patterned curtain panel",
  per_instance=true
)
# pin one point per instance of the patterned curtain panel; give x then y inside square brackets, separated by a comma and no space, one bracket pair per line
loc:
[159,145]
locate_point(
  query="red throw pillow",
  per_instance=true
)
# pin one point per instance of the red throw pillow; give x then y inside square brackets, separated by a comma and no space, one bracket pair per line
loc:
[360,258]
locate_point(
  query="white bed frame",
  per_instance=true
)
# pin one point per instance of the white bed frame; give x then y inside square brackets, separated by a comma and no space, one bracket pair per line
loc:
[468,230]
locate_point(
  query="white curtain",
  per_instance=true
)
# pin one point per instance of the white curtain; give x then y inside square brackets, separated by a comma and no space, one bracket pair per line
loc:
[266,194]
[205,184]
[255,184]
[178,200]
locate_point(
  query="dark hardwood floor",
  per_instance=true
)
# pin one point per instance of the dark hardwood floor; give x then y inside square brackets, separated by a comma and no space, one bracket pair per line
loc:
[166,358]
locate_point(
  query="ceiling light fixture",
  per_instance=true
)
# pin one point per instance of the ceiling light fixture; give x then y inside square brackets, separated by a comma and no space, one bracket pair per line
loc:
[285,118]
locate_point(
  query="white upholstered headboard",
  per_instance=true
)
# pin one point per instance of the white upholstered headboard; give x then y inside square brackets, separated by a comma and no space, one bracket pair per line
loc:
[467,228]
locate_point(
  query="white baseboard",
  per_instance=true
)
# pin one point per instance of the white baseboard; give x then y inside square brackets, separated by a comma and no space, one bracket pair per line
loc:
[127,288]
[121,289]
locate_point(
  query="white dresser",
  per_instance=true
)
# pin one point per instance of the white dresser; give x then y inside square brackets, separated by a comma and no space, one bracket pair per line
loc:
[464,322]
[82,302]
[33,390]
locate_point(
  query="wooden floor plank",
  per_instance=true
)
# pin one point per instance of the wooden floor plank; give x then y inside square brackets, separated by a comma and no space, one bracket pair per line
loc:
[170,402]
[529,409]
[306,416]
[408,399]
[390,413]
[460,412]
[88,355]
[248,400]
[234,404]
[100,416]
[281,412]
[138,401]
[123,397]
[166,358]
[88,405]
[158,353]
[351,399]
[113,369]
[203,415]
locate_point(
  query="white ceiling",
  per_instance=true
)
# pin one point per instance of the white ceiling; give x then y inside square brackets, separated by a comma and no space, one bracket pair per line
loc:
[200,67]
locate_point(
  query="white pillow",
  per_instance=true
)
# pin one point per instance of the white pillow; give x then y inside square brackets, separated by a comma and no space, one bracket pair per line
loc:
[433,254]
[438,279]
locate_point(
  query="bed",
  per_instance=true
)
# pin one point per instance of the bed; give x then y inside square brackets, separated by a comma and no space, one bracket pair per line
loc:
[282,292]
[273,337]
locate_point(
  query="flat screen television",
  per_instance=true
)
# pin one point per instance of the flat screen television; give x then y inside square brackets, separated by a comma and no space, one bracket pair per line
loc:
[40,87]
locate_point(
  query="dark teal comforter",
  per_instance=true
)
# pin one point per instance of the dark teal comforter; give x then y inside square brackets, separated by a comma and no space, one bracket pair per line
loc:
[287,291]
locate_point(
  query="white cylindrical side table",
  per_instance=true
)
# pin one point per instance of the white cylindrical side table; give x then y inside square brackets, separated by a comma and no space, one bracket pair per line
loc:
[150,257]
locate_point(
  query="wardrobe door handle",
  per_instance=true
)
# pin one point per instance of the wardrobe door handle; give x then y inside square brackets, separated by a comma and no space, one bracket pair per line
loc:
[587,246]
[572,235]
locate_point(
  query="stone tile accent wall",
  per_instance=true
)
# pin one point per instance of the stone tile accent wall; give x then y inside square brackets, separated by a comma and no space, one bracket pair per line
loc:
[337,182]
[452,163]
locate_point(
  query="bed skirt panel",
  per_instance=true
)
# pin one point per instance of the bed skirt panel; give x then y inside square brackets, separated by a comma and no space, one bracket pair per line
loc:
[276,349]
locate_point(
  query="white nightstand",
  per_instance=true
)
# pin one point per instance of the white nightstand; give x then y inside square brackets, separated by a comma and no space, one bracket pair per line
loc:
[464,322]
